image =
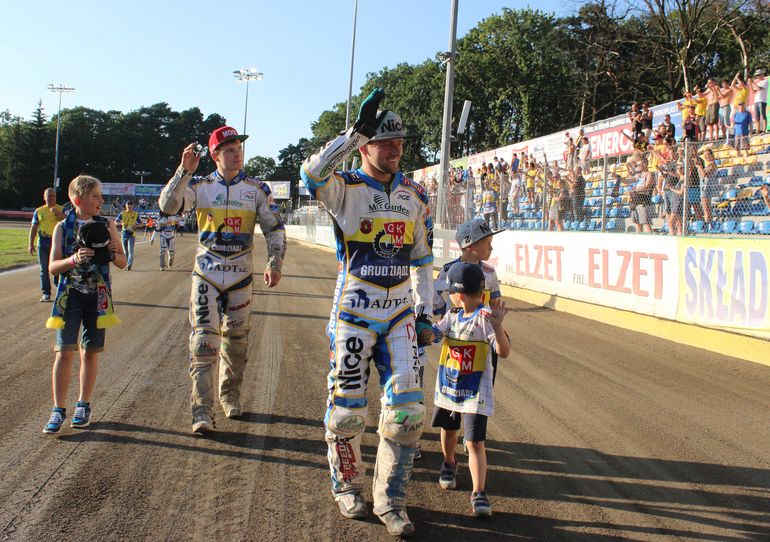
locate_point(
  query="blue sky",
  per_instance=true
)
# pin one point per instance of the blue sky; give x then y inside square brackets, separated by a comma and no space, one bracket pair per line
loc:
[125,55]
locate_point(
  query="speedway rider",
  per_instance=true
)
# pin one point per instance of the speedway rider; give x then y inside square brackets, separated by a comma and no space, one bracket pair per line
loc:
[384,291]
[228,205]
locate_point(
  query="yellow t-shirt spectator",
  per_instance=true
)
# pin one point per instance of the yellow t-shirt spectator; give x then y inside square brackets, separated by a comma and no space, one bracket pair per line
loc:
[740,96]
[46,221]
[700,107]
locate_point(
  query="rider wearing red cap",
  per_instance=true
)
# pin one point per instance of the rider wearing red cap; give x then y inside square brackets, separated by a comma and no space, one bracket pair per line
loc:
[228,205]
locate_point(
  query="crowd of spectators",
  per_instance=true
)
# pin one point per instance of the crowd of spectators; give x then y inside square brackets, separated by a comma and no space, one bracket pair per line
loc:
[662,177]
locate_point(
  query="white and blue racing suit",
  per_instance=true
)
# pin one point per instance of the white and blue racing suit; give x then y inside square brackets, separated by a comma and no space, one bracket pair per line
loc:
[220,301]
[166,229]
[384,250]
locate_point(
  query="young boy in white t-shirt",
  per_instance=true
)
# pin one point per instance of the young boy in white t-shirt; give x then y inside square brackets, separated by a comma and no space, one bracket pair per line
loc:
[471,332]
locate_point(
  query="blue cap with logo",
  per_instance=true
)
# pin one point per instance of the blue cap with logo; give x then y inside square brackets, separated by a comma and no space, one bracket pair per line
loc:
[465,278]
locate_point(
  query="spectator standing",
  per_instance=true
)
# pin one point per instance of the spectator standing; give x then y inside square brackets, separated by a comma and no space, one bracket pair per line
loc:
[690,125]
[585,154]
[489,201]
[635,117]
[128,220]
[725,109]
[668,127]
[709,183]
[740,93]
[759,87]
[741,127]
[712,109]
[640,195]
[701,104]
[577,188]
[646,118]
[44,220]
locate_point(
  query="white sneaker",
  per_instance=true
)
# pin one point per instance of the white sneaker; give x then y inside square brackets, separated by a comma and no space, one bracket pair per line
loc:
[45,299]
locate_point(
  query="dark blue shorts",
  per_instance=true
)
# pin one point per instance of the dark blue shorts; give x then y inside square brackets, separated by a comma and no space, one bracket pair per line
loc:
[81,308]
[475,424]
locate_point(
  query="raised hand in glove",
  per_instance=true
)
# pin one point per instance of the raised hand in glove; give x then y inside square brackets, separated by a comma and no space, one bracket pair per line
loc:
[368,120]
[424,327]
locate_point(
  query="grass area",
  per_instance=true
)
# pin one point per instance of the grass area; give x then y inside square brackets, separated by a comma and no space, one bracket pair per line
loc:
[13,248]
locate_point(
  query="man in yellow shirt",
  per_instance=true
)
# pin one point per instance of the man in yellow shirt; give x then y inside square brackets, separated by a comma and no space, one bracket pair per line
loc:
[44,220]
[128,220]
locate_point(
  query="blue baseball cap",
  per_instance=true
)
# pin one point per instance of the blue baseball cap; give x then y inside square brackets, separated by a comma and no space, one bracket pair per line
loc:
[465,278]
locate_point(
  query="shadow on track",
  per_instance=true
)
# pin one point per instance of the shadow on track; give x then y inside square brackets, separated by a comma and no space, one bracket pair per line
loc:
[696,493]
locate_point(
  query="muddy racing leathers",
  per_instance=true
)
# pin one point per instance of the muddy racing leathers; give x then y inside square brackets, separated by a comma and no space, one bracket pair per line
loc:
[384,239]
[220,302]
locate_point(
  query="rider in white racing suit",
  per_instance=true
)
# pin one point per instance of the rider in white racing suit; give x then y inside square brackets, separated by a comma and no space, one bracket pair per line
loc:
[384,235]
[166,229]
[228,204]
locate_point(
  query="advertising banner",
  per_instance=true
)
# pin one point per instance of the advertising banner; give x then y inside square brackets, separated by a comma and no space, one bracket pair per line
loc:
[147,190]
[118,189]
[629,272]
[281,189]
[725,284]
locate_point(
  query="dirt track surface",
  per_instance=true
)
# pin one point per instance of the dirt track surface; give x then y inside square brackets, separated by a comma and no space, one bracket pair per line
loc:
[599,434]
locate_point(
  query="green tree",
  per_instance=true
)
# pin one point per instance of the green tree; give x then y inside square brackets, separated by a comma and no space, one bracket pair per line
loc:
[261,167]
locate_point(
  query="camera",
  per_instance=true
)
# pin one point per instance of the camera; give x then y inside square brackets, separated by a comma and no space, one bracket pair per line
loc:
[200,150]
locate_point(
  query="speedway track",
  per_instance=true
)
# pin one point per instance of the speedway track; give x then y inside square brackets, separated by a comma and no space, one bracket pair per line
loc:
[599,433]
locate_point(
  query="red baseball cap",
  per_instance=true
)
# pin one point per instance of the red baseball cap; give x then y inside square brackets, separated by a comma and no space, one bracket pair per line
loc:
[225,133]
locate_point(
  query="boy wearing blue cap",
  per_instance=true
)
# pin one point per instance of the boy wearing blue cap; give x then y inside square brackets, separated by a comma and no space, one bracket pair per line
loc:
[471,333]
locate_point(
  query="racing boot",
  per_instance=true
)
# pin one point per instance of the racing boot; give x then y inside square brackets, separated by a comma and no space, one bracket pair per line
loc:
[352,505]
[397,523]
[203,421]
[232,410]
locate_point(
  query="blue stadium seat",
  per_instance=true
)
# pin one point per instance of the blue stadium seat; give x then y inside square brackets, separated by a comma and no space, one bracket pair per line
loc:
[756,180]
[539,214]
[746,226]
[613,212]
[730,194]
[697,227]
[611,224]
[625,212]
[729,226]
[656,198]
[596,213]
[609,200]
[539,225]
[764,227]
[583,226]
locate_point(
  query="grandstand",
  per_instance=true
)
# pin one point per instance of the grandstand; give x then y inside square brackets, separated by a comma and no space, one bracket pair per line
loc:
[738,208]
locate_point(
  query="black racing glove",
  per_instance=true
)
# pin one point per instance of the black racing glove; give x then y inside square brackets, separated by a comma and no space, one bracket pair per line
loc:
[423,323]
[368,120]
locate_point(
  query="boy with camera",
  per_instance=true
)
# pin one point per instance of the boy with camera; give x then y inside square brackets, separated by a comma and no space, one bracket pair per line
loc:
[84,244]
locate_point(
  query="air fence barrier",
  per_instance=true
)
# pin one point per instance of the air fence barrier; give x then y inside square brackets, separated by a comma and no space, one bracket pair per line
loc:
[714,281]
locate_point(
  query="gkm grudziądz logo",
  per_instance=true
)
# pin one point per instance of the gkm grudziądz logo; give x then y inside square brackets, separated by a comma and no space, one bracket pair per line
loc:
[389,241]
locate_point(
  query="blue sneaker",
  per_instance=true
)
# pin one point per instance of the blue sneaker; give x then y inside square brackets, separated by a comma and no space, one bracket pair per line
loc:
[82,417]
[55,422]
